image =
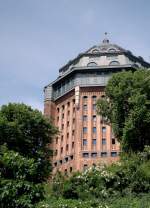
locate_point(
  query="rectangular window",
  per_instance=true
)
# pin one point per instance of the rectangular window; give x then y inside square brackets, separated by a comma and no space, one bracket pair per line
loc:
[103,154]
[103,129]
[86,154]
[94,154]
[113,141]
[84,130]
[103,141]
[85,107]
[63,116]
[84,118]
[94,141]
[61,149]
[113,154]
[94,98]
[94,107]
[84,142]
[85,166]
[72,144]
[94,129]
[94,118]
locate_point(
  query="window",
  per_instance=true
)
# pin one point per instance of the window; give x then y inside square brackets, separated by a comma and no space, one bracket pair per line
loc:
[114,154]
[56,152]
[94,129]
[84,118]
[70,169]
[67,135]
[72,144]
[67,147]
[74,110]
[67,123]
[85,166]
[62,137]
[103,129]
[62,126]
[114,63]
[71,157]
[95,51]
[68,113]
[63,116]
[73,120]
[85,154]
[111,50]
[94,107]
[94,98]
[72,132]
[61,149]
[85,98]
[84,130]
[73,101]
[94,154]
[113,141]
[85,107]
[68,104]
[94,141]
[55,164]
[103,141]
[57,118]
[63,107]
[57,110]
[65,171]
[91,64]
[60,161]
[66,159]
[84,142]
[103,154]
[94,118]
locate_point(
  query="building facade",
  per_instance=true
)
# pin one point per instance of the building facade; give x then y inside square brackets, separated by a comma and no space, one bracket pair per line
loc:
[84,138]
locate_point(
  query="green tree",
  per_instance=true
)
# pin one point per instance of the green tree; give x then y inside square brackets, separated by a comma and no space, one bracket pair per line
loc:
[127,107]
[26,131]
[25,136]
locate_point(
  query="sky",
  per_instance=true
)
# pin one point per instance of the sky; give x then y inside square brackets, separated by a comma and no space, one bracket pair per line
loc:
[37,37]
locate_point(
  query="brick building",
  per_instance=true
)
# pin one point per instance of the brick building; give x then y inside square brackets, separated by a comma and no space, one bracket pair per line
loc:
[70,100]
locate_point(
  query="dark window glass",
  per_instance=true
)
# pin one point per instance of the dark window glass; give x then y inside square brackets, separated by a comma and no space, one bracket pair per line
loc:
[94,129]
[113,141]
[84,118]
[86,154]
[94,118]
[84,129]
[84,107]
[84,142]
[103,141]
[94,141]
[103,154]
[94,154]
[114,154]
[103,129]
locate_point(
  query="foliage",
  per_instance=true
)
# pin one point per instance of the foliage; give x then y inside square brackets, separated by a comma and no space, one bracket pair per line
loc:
[128,177]
[127,107]
[26,131]
[24,155]
[17,185]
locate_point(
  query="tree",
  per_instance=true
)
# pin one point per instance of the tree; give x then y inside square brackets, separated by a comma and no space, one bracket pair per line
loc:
[26,131]
[127,107]
[24,154]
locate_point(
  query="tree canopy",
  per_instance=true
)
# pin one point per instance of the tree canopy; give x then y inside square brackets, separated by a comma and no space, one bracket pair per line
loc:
[127,107]
[24,155]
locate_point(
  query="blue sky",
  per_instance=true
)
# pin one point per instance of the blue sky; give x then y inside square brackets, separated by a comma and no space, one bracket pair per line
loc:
[37,37]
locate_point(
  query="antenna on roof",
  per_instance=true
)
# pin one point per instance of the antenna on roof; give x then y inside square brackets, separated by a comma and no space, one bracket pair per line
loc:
[106,40]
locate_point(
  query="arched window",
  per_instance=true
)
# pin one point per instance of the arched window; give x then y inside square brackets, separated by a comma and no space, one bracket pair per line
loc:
[114,63]
[95,51]
[92,64]
[111,50]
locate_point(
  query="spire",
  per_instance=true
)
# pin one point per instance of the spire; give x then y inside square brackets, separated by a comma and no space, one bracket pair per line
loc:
[106,40]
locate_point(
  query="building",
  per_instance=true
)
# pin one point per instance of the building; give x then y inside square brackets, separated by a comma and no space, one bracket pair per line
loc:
[70,100]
